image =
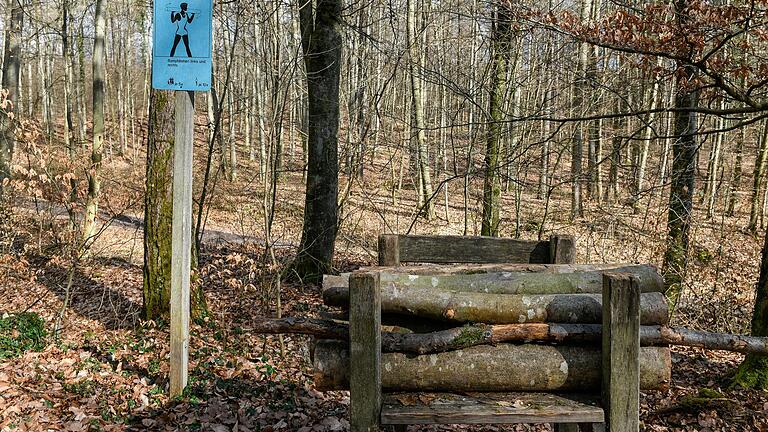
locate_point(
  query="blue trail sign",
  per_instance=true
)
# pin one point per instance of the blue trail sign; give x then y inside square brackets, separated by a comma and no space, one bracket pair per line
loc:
[181,50]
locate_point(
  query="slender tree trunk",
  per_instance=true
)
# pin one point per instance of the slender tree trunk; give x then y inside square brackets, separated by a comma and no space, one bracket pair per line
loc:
[735,183]
[10,82]
[417,114]
[500,62]
[753,372]
[714,167]
[647,138]
[158,205]
[321,44]
[685,149]
[94,184]
[66,54]
[757,179]
[579,91]
[82,111]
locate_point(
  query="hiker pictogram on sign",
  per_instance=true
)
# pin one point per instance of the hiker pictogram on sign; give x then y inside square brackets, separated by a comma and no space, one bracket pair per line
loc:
[182,45]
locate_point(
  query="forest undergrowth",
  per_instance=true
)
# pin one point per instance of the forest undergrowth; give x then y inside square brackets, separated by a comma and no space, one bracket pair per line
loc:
[108,369]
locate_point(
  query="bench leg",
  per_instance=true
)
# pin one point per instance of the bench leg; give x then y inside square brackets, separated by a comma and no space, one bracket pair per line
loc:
[364,352]
[621,347]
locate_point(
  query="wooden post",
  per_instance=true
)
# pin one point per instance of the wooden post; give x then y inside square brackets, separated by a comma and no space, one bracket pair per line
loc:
[364,351]
[562,249]
[182,239]
[389,250]
[621,346]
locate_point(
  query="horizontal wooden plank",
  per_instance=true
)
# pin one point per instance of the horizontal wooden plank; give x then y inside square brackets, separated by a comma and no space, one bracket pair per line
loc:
[507,279]
[463,249]
[489,408]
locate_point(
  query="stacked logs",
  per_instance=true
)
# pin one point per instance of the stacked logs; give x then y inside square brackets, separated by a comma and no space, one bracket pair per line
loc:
[453,314]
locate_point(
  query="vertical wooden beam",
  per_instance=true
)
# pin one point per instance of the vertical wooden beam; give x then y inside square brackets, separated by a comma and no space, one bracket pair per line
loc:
[181,239]
[562,249]
[621,347]
[364,351]
[389,250]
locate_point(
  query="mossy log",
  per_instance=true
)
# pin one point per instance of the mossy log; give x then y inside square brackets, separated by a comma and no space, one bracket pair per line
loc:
[498,279]
[394,339]
[504,367]
[443,304]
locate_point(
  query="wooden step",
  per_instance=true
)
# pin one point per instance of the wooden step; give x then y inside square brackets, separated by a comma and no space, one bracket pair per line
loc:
[489,408]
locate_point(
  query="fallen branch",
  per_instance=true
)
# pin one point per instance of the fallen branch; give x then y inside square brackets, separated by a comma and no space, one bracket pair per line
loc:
[484,334]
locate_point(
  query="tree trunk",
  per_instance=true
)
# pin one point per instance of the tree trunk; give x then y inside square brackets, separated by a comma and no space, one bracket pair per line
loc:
[714,167]
[577,142]
[158,205]
[321,45]
[67,54]
[753,372]
[503,367]
[757,179]
[735,183]
[417,115]
[94,185]
[685,151]
[500,62]
[10,82]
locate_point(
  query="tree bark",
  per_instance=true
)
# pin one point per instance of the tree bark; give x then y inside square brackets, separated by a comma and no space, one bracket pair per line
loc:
[67,56]
[10,82]
[685,151]
[484,334]
[442,304]
[321,45]
[417,115]
[500,62]
[560,279]
[503,367]
[757,179]
[94,184]
[577,140]
[158,205]
[753,372]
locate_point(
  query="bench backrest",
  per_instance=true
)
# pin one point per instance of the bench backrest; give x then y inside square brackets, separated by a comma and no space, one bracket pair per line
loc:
[395,249]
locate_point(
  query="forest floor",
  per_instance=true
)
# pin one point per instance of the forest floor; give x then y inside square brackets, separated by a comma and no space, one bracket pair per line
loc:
[108,370]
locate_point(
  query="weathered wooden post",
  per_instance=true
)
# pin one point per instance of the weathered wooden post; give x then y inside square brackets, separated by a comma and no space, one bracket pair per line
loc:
[364,351]
[389,250]
[562,249]
[621,348]
[181,245]
[185,68]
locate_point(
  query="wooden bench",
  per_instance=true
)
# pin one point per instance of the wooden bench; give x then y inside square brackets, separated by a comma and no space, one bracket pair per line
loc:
[359,367]
[617,406]
[395,249]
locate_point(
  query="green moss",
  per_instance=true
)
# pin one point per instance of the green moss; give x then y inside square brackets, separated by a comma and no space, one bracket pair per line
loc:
[704,399]
[469,336]
[20,333]
[709,393]
[752,373]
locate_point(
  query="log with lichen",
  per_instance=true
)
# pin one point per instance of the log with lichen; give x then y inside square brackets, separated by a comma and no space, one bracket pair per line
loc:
[456,306]
[393,339]
[504,367]
[498,279]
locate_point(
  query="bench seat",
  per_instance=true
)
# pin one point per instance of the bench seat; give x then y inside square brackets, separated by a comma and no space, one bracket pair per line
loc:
[489,408]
